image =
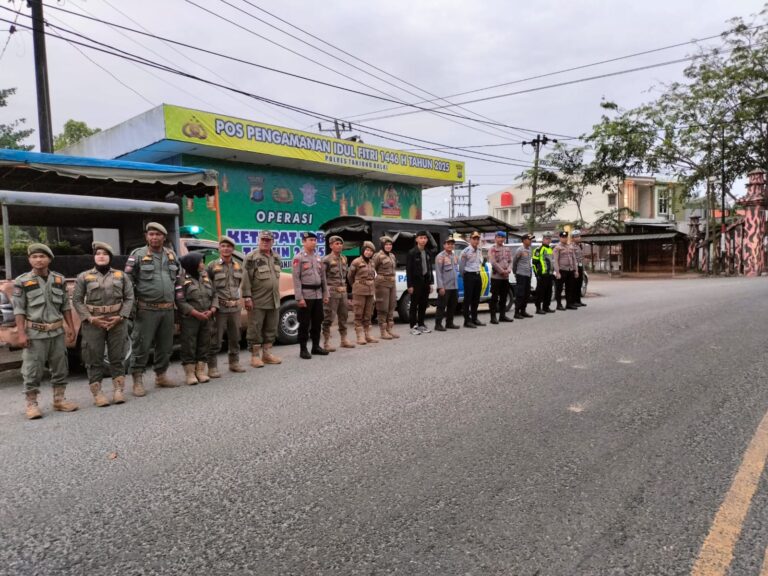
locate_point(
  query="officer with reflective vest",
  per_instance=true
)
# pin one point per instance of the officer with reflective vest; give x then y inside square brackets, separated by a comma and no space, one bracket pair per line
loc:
[543,266]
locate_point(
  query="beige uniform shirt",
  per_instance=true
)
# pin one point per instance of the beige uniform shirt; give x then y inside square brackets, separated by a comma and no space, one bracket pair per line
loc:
[261,280]
[226,278]
[336,268]
[41,300]
[96,294]
[385,265]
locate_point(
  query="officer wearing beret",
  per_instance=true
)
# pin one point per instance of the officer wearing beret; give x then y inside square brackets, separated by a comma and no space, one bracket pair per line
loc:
[385,264]
[311,290]
[261,293]
[154,270]
[226,274]
[103,298]
[336,267]
[41,307]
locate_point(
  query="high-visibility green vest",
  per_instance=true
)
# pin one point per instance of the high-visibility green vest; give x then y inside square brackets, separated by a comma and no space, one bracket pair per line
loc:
[540,265]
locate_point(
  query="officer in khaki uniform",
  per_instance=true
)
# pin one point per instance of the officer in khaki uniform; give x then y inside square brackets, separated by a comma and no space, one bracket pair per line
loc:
[500,258]
[261,292]
[197,302]
[226,274]
[361,275]
[154,270]
[336,267]
[311,290]
[385,264]
[41,307]
[103,298]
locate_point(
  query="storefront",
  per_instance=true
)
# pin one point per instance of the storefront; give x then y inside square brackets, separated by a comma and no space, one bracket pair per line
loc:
[274,178]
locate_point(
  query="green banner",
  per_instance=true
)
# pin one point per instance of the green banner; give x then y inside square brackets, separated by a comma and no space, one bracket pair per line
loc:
[288,202]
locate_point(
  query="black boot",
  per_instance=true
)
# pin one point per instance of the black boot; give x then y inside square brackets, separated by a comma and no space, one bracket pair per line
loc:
[493,318]
[318,351]
[304,352]
[439,326]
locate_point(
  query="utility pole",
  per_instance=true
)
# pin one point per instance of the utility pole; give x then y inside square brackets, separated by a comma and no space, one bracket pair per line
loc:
[338,128]
[537,143]
[722,190]
[462,199]
[41,74]
[450,207]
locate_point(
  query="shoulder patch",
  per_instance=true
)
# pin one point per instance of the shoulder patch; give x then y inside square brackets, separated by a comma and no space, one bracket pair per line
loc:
[296,261]
[90,277]
[30,283]
[118,274]
[187,282]
[58,280]
[237,266]
[147,257]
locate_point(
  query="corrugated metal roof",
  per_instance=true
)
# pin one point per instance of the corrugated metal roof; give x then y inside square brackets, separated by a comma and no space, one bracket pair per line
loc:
[618,238]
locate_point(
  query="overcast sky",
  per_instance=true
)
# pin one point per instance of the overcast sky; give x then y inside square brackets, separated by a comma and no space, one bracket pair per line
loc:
[442,46]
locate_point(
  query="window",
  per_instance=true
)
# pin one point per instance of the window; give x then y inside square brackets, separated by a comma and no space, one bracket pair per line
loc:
[612,199]
[540,208]
[662,204]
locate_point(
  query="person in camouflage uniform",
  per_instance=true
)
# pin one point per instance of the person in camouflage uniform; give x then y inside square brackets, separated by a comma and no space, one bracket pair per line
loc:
[197,302]
[103,298]
[385,264]
[336,268]
[41,308]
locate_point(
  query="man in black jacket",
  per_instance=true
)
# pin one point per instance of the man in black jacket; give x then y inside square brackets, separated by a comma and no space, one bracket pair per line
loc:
[418,270]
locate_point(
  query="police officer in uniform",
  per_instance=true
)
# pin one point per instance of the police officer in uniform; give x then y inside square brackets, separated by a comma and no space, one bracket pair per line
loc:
[565,269]
[41,308]
[361,276]
[521,266]
[447,279]
[154,270]
[336,268]
[226,274]
[470,261]
[578,282]
[311,290]
[543,267]
[103,298]
[197,302]
[500,258]
[385,264]
[261,293]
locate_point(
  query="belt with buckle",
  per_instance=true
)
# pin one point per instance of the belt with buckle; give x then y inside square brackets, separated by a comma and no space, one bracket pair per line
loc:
[43,327]
[104,309]
[155,306]
[339,288]
[229,303]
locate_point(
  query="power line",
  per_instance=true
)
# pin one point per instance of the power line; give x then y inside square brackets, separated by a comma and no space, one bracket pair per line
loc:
[11,31]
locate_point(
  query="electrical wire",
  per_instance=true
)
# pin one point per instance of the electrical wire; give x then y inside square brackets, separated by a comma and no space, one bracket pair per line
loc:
[11,31]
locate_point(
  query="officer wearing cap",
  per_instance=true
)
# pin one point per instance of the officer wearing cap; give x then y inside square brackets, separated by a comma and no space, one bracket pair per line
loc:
[261,293]
[578,282]
[447,280]
[226,274]
[543,268]
[336,268]
[470,261]
[500,258]
[385,264]
[565,271]
[41,308]
[361,275]
[154,270]
[103,298]
[311,292]
[521,266]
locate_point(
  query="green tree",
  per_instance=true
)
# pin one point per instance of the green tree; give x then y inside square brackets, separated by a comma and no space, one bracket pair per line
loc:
[611,220]
[74,131]
[11,135]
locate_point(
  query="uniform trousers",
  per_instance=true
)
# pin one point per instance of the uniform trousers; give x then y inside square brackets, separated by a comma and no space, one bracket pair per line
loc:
[336,309]
[228,322]
[419,301]
[310,321]
[152,327]
[446,306]
[363,305]
[472,285]
[499,295]
[566,282]
[544,291]
[386,301]
[262,326]
[522,292]
[578,283]
[36,354]
[195,340]
[94,340]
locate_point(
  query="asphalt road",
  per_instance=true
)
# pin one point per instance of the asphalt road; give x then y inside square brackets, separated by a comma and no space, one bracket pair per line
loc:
[595,442]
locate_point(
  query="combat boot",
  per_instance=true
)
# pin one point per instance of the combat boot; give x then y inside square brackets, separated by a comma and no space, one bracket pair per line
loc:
[383,329]
[439,326]
[391,329]
[33,410]
[494,320]
[368,338]
[318,350]
[304,353]
[234,364]
[189,375]
[327,342]
[213,368]
[138,384]
[162,381]
[200,372]
[61,404]
[98,396]
[346,343]
[268,357]
[118,385]
[360,336]
[256,361]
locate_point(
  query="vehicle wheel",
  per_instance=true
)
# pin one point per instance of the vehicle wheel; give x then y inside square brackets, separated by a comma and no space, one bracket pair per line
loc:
[404,308]
[288,323]
[584,286]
